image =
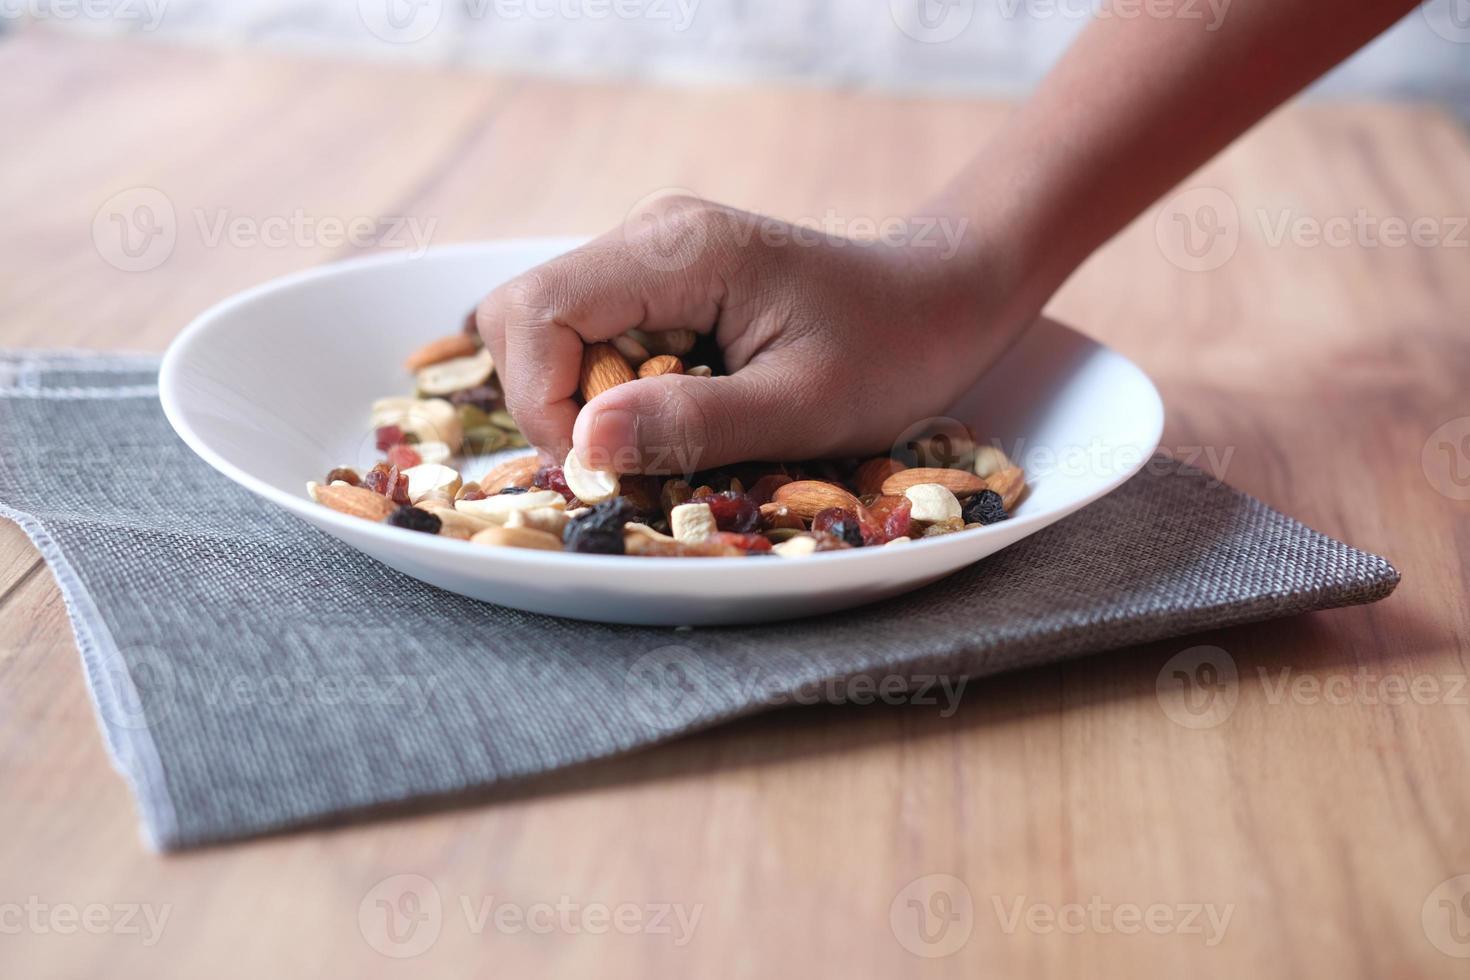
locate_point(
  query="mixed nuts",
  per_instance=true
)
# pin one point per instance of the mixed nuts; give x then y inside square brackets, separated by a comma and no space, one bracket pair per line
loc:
[754,509]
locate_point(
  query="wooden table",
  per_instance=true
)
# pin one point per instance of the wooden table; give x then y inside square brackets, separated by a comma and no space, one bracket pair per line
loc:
[1322,821]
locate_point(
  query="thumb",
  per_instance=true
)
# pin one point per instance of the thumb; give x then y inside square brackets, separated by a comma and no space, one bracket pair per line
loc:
[679,424]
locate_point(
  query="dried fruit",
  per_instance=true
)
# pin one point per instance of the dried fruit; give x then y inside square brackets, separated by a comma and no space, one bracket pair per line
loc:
[443,349]
[344,474]
[591,486]
[448,377]
[745,542]
[933,503]
[603,369]
[413,519]
[734,512]
[808,498]
[957,482]
[552,478]
[353,501]
[600,531]
[387,480]
[404,457]
[986,507]
[486,397]
[388,436]
[841,523]
[658,366]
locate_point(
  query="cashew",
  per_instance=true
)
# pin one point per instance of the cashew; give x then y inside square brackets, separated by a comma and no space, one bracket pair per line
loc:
[447,377]
[497,509]
[798,547]
[428,478]
[933,503]
[692,522]
[552,520]
[591,486]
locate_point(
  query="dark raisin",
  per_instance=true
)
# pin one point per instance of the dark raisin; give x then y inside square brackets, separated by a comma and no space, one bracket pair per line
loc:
[346,474]
[512,491]
[600,531]
[986,507]
[413,519]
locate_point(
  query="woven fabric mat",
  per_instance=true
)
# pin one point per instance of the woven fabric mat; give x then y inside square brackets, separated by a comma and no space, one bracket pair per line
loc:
[252,674]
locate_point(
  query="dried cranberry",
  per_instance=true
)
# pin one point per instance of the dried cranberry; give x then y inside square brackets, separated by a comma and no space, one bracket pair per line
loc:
[551,478]
[841,523]
[404,457]
[345,474]
[388,436]
[385,479]
[899,521]
[745,542]
[473,495]
[413,519]
[735,512]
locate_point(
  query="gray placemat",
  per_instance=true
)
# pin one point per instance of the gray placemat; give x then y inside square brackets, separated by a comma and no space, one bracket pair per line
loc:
[251,674]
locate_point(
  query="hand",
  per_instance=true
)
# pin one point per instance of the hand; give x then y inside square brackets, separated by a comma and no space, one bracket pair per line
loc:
[833,346]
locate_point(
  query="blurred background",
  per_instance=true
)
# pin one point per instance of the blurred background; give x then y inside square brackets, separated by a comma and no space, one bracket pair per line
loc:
[990,47]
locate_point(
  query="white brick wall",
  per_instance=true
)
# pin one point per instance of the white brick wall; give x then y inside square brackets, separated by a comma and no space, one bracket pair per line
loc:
[998,45]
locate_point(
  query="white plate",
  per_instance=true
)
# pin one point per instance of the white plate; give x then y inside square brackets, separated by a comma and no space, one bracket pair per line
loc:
[272,387]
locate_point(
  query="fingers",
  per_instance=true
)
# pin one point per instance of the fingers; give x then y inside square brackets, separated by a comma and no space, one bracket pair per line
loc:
[537,324]
[679,424]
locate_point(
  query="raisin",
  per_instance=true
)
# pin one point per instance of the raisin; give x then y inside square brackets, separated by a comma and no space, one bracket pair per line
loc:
[840,523]
[734,512]
[346,474]
[387,437]
[385,479]
[599,532]
[508,491]
[986,507]
[404,457]
[413,519]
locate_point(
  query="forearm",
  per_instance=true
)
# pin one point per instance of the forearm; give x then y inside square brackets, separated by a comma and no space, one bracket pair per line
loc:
[1134,107]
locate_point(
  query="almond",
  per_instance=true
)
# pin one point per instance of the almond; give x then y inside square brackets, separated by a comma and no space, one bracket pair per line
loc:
[663,364]
[443,349]
[1010,483]
[808,498]
[780,516]
[603,369]
[870,476]
[517,537]
[958,482]
[676,342]
[518,472]
[354,501]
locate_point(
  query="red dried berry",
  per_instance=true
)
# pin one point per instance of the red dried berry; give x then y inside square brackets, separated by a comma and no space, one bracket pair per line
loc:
[734,512]
[404,457]
[842,523]
[385,479]
[345,474]
[388,436]
[473,495]
[551,478]
[745,542]
[892,515]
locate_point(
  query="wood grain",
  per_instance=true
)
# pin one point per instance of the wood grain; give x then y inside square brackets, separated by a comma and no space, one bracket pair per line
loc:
[1315,374]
